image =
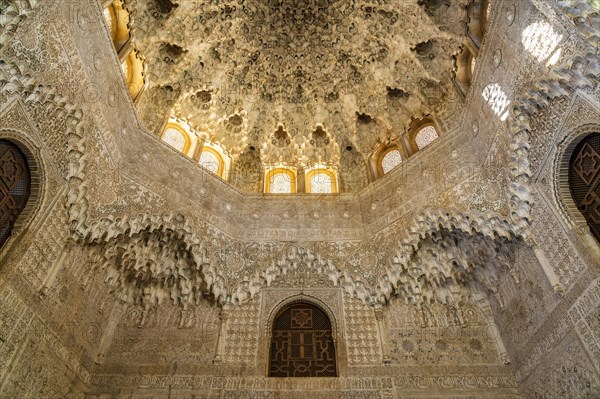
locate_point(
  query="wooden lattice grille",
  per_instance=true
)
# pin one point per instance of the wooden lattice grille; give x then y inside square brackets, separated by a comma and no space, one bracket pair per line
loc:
[15,183]
[584,180]
[302,343]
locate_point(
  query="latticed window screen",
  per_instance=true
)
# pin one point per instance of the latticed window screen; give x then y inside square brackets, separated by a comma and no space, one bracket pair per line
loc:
[281,183]
[391,160]
[584,180]
[15,182]
[302,343]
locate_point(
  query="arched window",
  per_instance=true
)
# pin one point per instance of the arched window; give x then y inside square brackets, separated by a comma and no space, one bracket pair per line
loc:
[176,137]
[302,343]
[426,136]
[212,160]
[280,181]
[321,181]
[15,185]
[584,180]
[117,20]
[133,71]
[390,160]
[386,157]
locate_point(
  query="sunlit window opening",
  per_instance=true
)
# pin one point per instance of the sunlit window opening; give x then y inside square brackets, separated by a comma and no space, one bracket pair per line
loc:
[108,18]
[425,137]
[321,180]
[540,40]
[177,135]
[133,70]
[125,69]
[175,138]
[497,100]
[133,66]
[210,155]
[320,183]
[280,181]
[391,160]
[212,160]
[117,19]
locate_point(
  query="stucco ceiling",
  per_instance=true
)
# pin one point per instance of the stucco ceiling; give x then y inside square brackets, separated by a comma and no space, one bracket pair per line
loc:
[301,80]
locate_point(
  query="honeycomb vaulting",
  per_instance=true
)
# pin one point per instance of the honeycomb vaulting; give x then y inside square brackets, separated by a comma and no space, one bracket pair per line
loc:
[470,269]
[249,72]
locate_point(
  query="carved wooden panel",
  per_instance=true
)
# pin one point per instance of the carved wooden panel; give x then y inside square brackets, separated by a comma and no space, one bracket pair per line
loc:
[15,182]
[584,180]
[302,343]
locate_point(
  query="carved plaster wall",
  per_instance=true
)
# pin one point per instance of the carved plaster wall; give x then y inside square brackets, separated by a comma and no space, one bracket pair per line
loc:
[462,273]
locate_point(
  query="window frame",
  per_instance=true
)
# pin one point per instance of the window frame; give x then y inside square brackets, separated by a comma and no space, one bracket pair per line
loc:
[317,171]
[281,170]
[331,327]
[384,154]
[181,130]
[136,71]
[119,17]
[30,195]
[418,130]
[211,150]
[575,151]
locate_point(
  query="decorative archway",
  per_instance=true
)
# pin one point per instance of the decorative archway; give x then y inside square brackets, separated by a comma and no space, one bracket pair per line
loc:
[15,187]
[302,343]
[570,216]
[584,180]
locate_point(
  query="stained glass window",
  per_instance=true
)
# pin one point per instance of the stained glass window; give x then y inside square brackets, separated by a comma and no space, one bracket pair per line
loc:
[321,183]
[174,138]
[391,160]
[210,161]
[425,137]
[280,183]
